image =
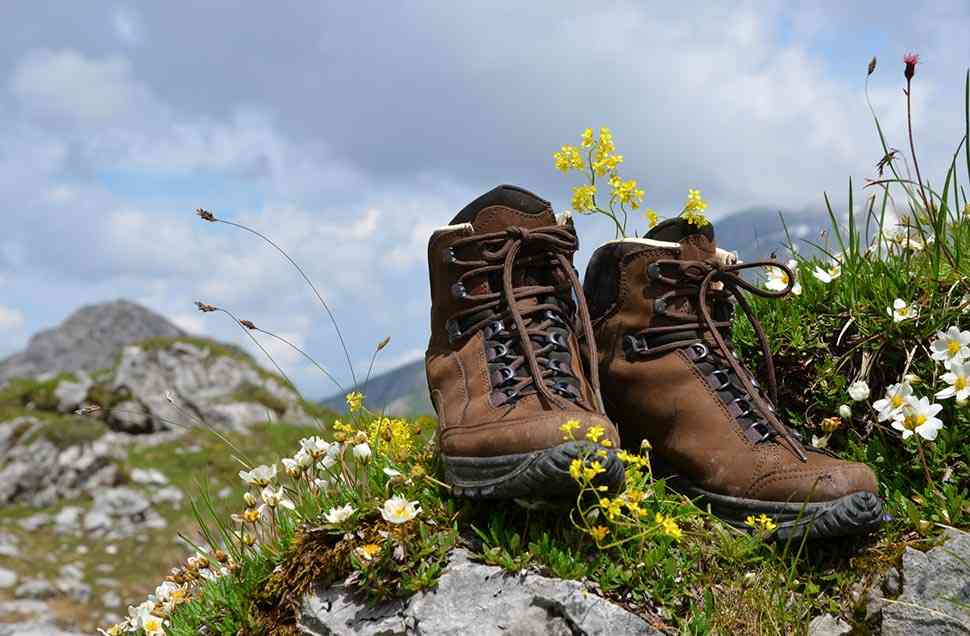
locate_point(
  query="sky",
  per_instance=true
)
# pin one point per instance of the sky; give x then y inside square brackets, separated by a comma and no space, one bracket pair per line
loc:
[347,131]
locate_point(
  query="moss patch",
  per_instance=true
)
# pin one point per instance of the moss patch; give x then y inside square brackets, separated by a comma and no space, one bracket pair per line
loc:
[29,391]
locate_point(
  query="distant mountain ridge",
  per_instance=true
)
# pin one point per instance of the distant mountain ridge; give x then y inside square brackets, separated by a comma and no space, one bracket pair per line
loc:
[753,233]
[400,391]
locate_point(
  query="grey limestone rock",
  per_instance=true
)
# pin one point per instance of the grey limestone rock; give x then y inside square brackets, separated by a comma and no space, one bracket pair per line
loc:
[936,591]
[828,625]
[71,394]
[472,598]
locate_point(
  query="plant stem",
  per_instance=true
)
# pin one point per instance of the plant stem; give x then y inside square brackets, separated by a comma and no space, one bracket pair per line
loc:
[922,457]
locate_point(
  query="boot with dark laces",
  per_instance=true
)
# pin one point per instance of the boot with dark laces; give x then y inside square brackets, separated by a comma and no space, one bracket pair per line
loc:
[662,310]
[504,364]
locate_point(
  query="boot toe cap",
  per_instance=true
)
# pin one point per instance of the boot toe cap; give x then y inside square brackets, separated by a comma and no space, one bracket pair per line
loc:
[823,483]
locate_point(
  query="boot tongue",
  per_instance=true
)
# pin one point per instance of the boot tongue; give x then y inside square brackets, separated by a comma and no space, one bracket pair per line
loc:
[697,243]
[504,206]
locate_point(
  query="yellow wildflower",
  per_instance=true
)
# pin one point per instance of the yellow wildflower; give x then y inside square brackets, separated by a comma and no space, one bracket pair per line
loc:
[587,138]
[593,433]
[576,469]
[368,551]
[830,424]
[668,526]
[568,158]
[627,192]
[607,443]
[606,142]
[599,533]
[583,198]
[613,507]
[594,469]
[568,427]
[761,522]
[355,399]
[603,452]
[693,209]
[392,437]
[652,218]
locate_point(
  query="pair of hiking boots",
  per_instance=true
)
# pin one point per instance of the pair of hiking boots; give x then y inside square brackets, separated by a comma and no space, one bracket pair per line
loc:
[519,345]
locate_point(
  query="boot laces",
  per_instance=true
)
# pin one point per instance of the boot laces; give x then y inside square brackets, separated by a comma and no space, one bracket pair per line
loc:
[527,323]
[711,285]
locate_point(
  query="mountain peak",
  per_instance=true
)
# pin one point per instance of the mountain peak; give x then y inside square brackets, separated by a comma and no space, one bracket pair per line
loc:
[89,339]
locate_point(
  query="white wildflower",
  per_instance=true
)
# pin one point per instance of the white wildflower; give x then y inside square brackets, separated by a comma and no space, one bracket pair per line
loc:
[821,442]
[901,311]
[362,452]
[919,416]
[893,403]
[828,274]
[259,476]
[859,390]
[777,278]
[316,446]
[321,484]
[390,472]
[951,345]
[275,498]
[958,379]
[339,514]
[845,411]
[397,509]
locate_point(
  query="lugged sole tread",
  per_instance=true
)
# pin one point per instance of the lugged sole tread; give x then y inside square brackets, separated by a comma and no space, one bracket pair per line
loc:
[542,474]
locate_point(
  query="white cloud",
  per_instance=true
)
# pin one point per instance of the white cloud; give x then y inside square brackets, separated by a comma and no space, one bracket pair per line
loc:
[69,86]
[191,323]
[10,318]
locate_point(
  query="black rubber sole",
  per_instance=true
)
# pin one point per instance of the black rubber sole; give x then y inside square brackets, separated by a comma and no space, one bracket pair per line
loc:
[542,474]
[853,514]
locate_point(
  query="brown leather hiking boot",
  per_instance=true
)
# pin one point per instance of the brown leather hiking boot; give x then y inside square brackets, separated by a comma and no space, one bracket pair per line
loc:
[662,309]
[504,365]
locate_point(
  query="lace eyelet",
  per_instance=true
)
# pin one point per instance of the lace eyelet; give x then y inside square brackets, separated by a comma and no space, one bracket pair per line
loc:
[700,351]
[458,291]
[556,338]
[659,307]
[723,378]
[454,331]
[497,350]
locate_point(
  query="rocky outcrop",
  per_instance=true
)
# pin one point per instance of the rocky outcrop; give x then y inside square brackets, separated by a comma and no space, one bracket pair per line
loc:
[35,471]
[472,598]
[936,591]
[89,339]
[185,383]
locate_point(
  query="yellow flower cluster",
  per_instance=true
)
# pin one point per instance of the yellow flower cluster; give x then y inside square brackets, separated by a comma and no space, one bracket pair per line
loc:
[668,526]
[694,208]
[355,400]
[762,522]
[635,461]
[583,198]
[605,159]
[568,158]
[626,192]
[652,218]
[393,437]
[580,471]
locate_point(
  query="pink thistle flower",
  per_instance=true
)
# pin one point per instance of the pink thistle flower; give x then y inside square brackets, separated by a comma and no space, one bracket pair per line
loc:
[910,60]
